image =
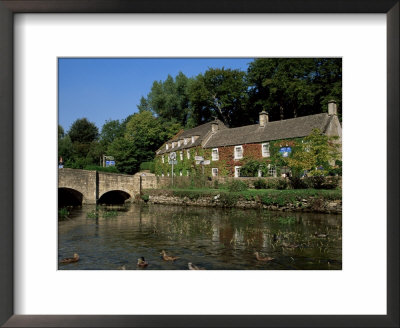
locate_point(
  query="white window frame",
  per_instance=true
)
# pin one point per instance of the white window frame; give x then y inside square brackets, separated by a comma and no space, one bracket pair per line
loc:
[188,154]
[271,170]
[214,171]
[265,154]
[185,141]
[192,139]
[179,143]
[234,152]
[236,171]
[214,158]
[166,146]
[163,159]
[173,145]
[181,155]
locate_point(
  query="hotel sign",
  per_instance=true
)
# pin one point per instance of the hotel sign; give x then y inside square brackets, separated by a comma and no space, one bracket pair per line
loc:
[285,151]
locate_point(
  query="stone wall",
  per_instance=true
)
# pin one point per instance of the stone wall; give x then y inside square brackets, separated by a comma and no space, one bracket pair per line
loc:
[308,204]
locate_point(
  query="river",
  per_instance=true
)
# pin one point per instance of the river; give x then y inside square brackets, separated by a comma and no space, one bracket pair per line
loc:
[114,237]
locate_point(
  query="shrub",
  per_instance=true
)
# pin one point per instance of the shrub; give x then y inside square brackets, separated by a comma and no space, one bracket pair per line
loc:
[228,199]
[260,184]
[298,183]
[145,197]
[215,184]
[147,166]
[250,169]
[237,185]
[316,182]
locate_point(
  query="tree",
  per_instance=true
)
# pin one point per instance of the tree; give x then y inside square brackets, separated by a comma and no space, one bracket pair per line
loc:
[125,155]
[169,99]
[65,148]
[314,154]
[111,130]
[61,133]
[83,131]
[220,93]
[291,87]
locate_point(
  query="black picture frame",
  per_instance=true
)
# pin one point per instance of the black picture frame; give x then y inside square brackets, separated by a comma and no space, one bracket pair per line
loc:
[10,7]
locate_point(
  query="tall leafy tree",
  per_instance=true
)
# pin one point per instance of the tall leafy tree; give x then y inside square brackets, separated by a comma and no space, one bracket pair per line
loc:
[219,93]
[111,130]
[83,131]
[169,99]
[291,87]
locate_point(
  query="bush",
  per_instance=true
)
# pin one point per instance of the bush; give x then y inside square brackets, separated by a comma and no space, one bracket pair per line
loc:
[298,183]
[237,185]
[277,183]
[215,184]
[145,197]
[228,199]
[110,169]
[316,182]
[260,184]
[147,166]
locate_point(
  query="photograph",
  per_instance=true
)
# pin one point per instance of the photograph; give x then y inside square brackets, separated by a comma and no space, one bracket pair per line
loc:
[199,163]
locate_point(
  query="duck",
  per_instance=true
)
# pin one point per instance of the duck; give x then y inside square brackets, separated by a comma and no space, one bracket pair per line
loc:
[166,257]
[263,259]
[320,235]
[191,266]
[141,263]
[287,245]
[71,259]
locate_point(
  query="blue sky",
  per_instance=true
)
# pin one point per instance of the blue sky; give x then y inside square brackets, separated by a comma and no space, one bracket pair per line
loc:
[110,88]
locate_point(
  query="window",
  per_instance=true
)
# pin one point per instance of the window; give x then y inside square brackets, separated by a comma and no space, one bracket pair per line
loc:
[179,143]
[237,171]
[214,172]
[185,141]
[162,159]
[259,173]
[265,149]
[271,170]
[238,152]
[173,145]
[192,139]
[188,154]
[180,172]
[181,155]
[214,154]
[162,174]
[166,146]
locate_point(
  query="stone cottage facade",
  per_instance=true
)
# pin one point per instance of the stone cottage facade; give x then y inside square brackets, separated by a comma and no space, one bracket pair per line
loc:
[213,149]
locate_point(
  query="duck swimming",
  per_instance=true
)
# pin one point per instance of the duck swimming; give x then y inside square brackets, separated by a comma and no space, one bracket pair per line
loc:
[263,259]
[166,257]
[71,259]
[191,266]
[141,263]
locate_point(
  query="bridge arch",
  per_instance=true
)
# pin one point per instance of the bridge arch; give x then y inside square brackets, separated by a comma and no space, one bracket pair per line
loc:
[118,196]
[69,197]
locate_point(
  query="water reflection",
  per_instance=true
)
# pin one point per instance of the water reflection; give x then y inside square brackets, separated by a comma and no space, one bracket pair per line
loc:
[218,239]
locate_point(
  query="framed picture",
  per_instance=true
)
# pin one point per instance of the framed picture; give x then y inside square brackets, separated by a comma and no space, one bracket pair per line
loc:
[221,298]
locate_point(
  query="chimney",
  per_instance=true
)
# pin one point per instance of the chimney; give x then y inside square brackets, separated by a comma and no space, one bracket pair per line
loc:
[332,107]
[263,118]
[214,126]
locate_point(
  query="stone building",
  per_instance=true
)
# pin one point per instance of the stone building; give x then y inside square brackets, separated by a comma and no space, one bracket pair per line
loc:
[216,150]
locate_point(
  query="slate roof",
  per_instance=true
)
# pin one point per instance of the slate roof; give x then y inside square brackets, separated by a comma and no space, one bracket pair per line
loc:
[201,131]
[285,129]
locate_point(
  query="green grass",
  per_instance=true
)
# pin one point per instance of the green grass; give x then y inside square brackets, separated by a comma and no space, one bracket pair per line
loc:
[63,214]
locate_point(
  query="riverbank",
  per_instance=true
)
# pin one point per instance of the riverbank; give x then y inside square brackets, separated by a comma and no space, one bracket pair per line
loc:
[299,200]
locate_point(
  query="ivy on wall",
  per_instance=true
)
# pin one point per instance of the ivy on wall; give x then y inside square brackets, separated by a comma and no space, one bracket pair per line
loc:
[252,155]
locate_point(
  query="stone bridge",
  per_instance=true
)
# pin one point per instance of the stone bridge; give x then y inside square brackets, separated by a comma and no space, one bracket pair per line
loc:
[76,187]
